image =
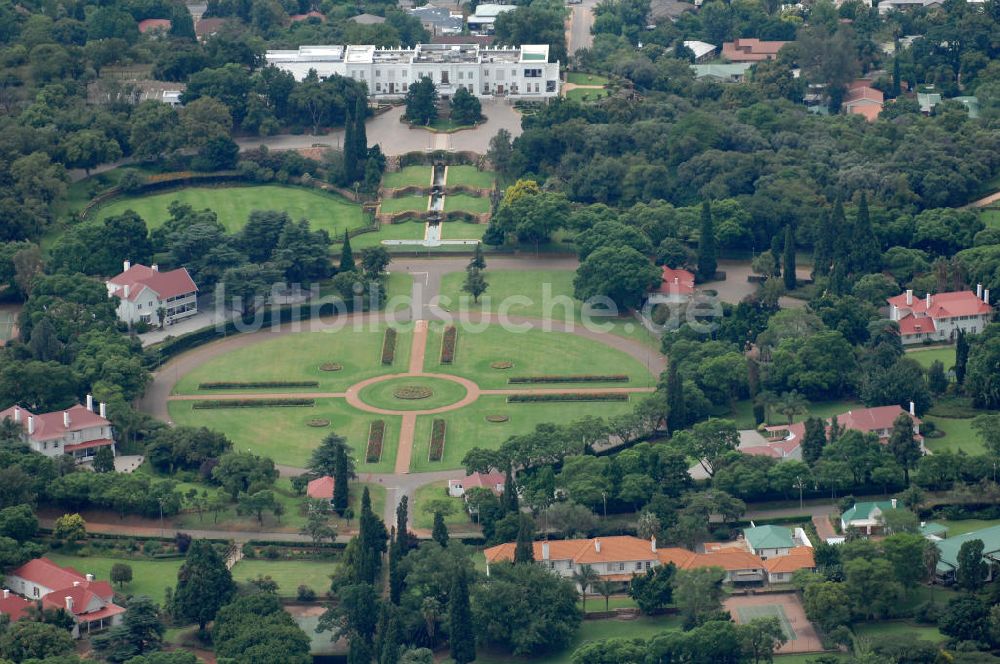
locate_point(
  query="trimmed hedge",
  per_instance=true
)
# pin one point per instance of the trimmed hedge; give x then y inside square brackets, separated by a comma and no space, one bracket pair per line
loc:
[389,346]
[448,344]
[438,429]
[584,378]
[252,403]
[221,385]
[376,434]
[569,396]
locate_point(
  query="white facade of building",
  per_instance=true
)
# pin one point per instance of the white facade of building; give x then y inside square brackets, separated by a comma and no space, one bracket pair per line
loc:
[521,72]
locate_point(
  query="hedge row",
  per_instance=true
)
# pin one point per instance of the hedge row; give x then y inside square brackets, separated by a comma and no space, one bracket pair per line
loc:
[448,344]
[222,385]
[583,378]
[389,346]
[376,434]
[437,440]
[570,396]
[252,403]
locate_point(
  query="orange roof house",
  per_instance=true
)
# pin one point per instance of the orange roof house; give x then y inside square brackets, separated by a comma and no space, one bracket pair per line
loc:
[320,488]
[751,50]
[865,101]
[154,25]
[940,316]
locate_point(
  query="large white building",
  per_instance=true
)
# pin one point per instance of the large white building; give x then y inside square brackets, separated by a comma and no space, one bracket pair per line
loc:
[78,431]
[144,291]
[939,317]
[522,72]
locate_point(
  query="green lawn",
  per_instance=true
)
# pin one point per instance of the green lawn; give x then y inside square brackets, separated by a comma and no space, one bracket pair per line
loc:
[298,357]
[586,94]
[282,433]
[398,284]
[469,176]
[149,577]
[288,574]
[900,628]
[404,204]
[411,176]
[404,230]
[233,206]
[956,528]
[959,435]
[534,352]
[466,203]
[743,414]
[927,357]
[544,294]
[423,519]
[582,78]
[991,217]
[468,428]
[460,230]
[384,394]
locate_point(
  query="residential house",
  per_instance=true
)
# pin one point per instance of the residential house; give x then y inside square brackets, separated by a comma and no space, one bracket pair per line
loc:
[78,431]
[774,541]
[949,548]
[867,516]
[864,101]
[939,317]
[726,73]
[933,531]
[676,286]
[482,22]
[878,420]
[367,19]
[154,25]
[751,50]
[927,101]
[90,602]
[208,27]
[492,481]
[438,20]
[971,105]
[13,606]
[781,568]
[702,50]
[145,293]
[886,6]
[172,98]
[321,488]
[312,14]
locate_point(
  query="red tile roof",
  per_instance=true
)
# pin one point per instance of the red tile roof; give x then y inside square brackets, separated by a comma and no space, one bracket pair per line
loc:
[164,284]
[154,24]
[44,572]
[82,596]
[751,50]
[863,94]
[207,27]
[680,282]
[872,419]
[910,325]
[320,488]
[943,305]
[294,18]
[49,426]
[485,480]
[801,557]
[13,606]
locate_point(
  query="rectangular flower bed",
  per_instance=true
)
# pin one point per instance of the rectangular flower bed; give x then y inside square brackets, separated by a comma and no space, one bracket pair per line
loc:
[257,385]
[569,396]
[448,344]
[585,378]
[437,440]
[389,346]
[251,403]
[376,434]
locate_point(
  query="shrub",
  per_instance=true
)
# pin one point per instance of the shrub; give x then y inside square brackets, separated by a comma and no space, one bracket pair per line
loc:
[305,594]
[448,344]
[251,403]
[437,440]
[568,396]
[318,422]
[412,392]
[389,346]
[331,366]
[497,418]
[272,552]
[504,364]
[257,385]
[249,551]
[585,378]
[376,433]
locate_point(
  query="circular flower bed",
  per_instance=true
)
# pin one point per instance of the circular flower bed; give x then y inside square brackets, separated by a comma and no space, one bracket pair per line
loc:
[497,419]
[502,365]
[411,392]
[318,422]
[330,366]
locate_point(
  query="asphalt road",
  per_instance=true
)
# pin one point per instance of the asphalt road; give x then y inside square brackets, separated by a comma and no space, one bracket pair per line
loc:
[578,26]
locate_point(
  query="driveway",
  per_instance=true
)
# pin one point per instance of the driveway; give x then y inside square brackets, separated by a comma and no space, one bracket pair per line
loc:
[578,26]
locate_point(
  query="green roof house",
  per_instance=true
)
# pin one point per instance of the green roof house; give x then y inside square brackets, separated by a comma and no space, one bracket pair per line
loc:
[949,550]
[867,517]
[933,531]
[772,541]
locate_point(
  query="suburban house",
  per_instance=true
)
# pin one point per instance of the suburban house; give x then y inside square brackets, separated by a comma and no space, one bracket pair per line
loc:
[949,548]
[367,19]
[298,18]
[438,20]
[88,601]
[886,6]
[724,73]
[522,72]
[867,516]
[13,606]
[78,431]
[676,286]
[208,27]
[751,50]
[320,488]
[877,420]
[145,291]
[702,50]
[774,541]
[865,101]
[482,22]
[933,531]
[939,317]
[618,558]
[492,481]
[781,568]
[154,25]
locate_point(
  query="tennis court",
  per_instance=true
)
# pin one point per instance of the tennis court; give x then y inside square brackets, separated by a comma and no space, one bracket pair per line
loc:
[787,609]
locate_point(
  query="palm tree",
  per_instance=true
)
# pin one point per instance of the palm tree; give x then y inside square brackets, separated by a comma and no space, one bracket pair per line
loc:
[430,610]
[791,404]
[606,589]
[585,577]
[932,556]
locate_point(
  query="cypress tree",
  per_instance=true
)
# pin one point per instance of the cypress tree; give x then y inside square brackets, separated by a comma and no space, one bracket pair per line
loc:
[440,532]
[347,256]
[478,261]
[813,440]
[865,253]
[461,636]
[524,550]
[396,578]
[776,254]
[371,543]
[961,356]
[835,432]
[896,79]
[789,258]
[360,137]
[823,249]
[402,518]
[676,412]
[343,469]
[350,152]
[510,501]
[840,231]
[204,584]
[707,261]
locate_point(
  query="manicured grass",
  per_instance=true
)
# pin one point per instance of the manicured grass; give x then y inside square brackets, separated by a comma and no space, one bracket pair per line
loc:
[582,78]
[469,176]
[466,203]
[398,284]
[533,352]
[991,218]
[460,230]
[743,414]
[383,395]
[926,357]
[282,434]
[423,519]
[233,206]
[586,94]
[956,528]
[468,428]
[149,577]
[404,230]
[288,574]
[404,204]
[900,628]
[959,436]
[418,176]
[298,356]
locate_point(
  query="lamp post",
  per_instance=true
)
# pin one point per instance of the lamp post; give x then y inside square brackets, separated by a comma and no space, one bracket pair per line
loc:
[604,495]
[799,484]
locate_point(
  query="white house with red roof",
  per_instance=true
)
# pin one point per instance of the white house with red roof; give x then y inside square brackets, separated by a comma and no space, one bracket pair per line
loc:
[13,606]
[143,291]
[78,431]
[879,420]
[675,285]
[492,481]
[939,317]
[89,601]
[321,488]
